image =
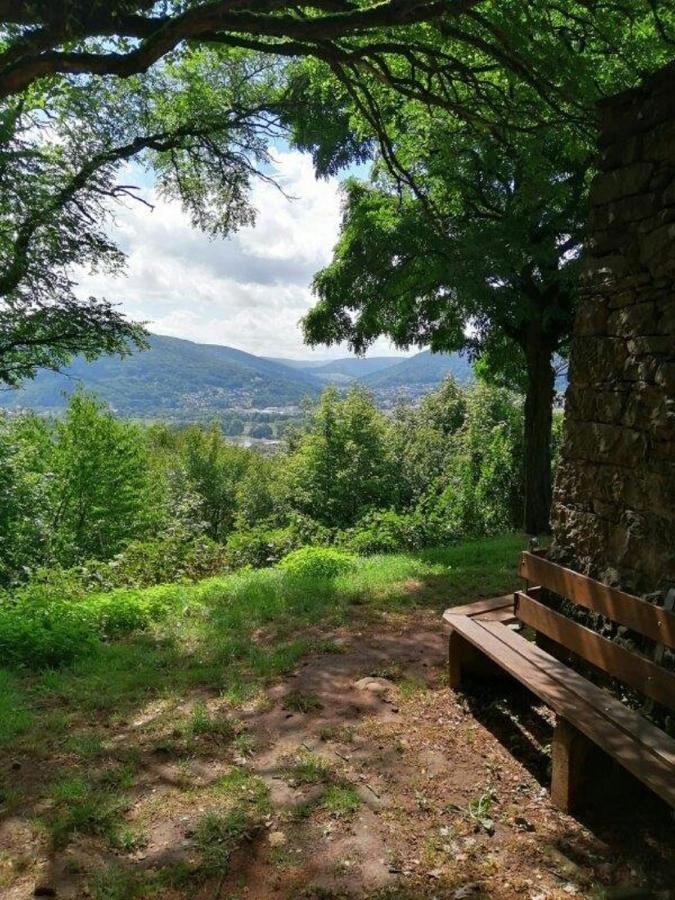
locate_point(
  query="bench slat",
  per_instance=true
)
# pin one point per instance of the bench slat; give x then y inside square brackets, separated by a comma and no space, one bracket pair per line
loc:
[634,670]
[605,705]
[642,760]
[652,621]
[480,606]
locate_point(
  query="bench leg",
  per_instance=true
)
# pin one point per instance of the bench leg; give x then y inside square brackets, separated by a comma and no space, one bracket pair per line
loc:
[457,651]
[465,659]
[569,752]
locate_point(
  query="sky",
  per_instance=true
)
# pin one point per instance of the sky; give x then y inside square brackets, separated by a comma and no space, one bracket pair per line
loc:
[248,291]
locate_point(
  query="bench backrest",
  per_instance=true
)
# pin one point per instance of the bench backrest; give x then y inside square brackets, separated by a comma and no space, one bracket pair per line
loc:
[639,615]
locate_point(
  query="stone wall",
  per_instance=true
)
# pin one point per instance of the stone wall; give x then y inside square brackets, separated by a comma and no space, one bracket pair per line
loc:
[614,501]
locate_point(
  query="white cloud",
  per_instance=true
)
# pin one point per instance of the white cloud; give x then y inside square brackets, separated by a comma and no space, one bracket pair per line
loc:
[248,291]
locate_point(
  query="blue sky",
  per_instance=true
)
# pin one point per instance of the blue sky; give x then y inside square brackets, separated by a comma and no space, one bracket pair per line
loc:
[248,291]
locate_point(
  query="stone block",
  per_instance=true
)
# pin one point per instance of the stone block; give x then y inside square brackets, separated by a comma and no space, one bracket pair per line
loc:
[637,318]
[619,183]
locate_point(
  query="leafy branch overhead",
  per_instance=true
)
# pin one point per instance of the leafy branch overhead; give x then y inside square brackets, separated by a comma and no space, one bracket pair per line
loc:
[92,93]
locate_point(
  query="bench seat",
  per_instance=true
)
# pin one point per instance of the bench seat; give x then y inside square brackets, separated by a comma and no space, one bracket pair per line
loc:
[583,708]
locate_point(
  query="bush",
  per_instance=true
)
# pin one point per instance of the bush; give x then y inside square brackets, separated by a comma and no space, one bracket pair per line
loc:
[44,627]
[264,546]
[45,634]
[172,556]
[259,547]
[317,562]
[386,532]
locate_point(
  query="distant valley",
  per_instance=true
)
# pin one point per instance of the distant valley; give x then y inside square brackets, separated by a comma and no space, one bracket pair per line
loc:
[181,381]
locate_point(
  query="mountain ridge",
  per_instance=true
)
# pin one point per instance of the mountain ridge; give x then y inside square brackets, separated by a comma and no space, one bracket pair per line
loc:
[179,379]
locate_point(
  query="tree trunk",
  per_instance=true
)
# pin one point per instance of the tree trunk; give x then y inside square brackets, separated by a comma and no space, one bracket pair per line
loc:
[538,422]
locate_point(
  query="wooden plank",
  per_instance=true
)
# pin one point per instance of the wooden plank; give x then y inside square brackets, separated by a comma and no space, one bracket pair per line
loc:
[634,755]
[631,668]
[607,707]
[633,612]
[480,606]
[498,615]
[569,750]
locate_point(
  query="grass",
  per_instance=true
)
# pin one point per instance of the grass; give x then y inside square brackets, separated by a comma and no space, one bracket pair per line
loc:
[238,632]
[341,800]
[303,703]
[308,768]
[88,726]
[80,807]
[15,716]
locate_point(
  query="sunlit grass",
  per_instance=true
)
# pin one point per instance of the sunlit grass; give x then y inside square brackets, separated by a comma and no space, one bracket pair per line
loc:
[234,634]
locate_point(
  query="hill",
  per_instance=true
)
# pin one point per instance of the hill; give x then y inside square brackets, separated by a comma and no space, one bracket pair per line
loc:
[174,379]
[425,369]
[181,381]
[343,370]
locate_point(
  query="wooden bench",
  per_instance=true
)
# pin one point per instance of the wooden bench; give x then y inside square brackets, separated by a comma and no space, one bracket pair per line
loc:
[485,637]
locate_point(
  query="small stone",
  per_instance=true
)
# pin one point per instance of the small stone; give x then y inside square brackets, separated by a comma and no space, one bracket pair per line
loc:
[277,838]
[374,685]
[523,824]
[467,891]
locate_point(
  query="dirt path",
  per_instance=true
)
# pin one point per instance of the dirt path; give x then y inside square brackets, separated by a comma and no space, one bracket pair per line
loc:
[380,783]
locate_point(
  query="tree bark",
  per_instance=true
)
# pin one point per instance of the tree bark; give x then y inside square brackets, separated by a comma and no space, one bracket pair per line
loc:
[538,423]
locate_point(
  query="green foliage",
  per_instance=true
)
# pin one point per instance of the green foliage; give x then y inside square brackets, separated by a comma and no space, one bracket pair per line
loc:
[215,471]
[51,622]
[95,503]
[342,466]
[386,531]
[25,532]
[341,801]
[317,562]
[102,478]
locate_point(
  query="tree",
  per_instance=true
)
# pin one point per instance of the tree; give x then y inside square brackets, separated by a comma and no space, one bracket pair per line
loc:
[102,484]
[201,124]
[494,269]
[342,466]
[193,90]
[470,231]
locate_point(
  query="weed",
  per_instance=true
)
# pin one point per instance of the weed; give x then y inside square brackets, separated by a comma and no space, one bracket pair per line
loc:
[82,808]
[392,671]
[217,836]
[240,786]
[479,810]
[342,734]
[245,743]
[86,744]
[303,703]
[308,768]
[203,724]
[128,839]
[409,687]
[341,800]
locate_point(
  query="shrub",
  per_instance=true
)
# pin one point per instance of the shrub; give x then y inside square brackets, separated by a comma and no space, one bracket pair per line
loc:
[174,555]
[44,627]
[45,634]
[317,562]
[386,531]
[259,546]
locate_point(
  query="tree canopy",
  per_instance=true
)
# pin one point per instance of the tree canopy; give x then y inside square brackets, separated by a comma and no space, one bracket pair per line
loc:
[196,90]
